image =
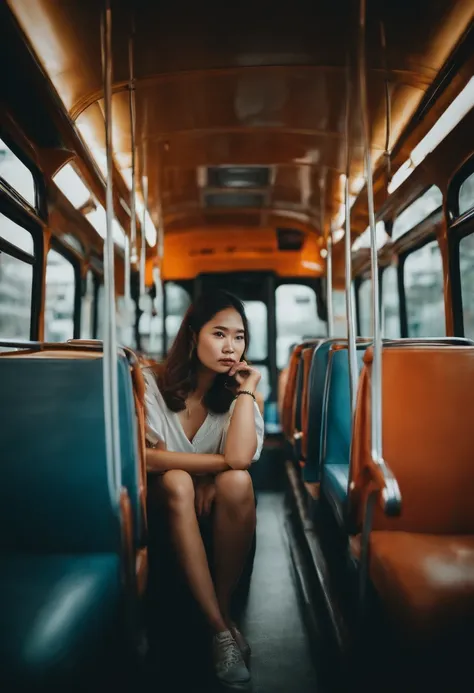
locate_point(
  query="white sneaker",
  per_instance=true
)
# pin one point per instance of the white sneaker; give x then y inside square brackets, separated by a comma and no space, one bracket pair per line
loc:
[229,665]
[242,643]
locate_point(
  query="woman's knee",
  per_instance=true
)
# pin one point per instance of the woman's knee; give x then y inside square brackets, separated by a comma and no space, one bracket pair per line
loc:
[178,487]
[235,486]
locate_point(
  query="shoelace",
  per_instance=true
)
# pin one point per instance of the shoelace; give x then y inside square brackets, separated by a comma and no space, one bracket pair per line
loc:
[228,653]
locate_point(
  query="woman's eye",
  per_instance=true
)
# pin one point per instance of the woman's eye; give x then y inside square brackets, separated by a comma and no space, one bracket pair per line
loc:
[218,334]
[240,337]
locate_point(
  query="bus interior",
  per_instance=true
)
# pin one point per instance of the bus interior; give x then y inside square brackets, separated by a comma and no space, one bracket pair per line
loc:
[316,160]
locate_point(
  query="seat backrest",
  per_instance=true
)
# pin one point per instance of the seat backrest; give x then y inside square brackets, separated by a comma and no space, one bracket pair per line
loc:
[336,430]
[289,399]
[282,382]
[133,468]
[307,358]
[316,386]
[428,437]
[54,495]
[296,425]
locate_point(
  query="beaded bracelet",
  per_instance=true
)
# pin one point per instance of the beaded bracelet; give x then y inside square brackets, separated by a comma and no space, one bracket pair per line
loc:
[245,392]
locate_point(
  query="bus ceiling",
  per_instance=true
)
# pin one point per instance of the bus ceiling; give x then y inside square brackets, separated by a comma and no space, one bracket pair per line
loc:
[240,116]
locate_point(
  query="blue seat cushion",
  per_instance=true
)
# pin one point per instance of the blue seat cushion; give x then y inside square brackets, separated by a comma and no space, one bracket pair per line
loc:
[334,485]
[56,612]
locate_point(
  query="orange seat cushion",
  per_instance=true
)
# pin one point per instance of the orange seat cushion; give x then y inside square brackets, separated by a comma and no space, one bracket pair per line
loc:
[426,581]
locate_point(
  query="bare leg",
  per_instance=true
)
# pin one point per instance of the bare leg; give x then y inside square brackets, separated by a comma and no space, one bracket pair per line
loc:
[176,489]
[234,526]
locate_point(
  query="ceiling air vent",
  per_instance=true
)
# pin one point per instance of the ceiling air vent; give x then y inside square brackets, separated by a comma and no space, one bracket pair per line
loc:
[290,239]
[228,200]
[238,177]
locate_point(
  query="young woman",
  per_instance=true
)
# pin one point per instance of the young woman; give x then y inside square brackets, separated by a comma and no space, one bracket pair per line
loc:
[204,430]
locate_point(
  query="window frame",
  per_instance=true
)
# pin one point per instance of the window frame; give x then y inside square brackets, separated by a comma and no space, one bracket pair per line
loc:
[456,235]
[461,175]
[315,286]
[23,217]
[70,257]
[401,278]
[459,226]
[40,205]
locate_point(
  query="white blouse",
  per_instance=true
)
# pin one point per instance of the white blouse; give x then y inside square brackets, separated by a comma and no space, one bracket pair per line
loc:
[164,425]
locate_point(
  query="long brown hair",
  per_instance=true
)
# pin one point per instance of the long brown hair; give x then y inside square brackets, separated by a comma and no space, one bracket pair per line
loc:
[177,375]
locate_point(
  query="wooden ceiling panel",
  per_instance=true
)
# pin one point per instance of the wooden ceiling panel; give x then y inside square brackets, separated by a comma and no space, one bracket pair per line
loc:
[255,84]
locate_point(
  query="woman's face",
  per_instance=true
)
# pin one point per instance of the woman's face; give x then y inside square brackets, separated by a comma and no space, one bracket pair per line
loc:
[221,341]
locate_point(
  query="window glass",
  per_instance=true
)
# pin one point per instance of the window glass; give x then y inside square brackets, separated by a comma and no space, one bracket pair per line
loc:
[340,313]
[414,214]
[264,384]
[124,323]
[16,281]
[466,195]
[16,235]
[296,318]
[72,186]
[466,259]
[363,241]
[98,219]
[73,243]
[365,308]
[256,312]
[423,281]
[87,304]
[177,303]
[16,174]
[390,303]
[59,300]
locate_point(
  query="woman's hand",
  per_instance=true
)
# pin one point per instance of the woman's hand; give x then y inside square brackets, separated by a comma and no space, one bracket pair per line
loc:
[204,496]
[246,376]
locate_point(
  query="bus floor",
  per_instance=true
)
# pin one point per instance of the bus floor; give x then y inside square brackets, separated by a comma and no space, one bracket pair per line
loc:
[269,616]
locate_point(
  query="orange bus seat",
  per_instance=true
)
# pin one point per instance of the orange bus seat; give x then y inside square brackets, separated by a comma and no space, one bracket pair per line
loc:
[422,562]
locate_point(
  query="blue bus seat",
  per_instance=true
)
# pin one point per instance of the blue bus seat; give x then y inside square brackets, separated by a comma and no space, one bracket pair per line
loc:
[63,562]
[337,430]
[317,381]
[131,403]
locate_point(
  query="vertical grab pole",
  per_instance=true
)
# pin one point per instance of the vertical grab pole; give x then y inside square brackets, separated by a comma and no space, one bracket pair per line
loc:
[143,243]
[351,329]
[112,435]
[329,300]
[376,408]
[133,120]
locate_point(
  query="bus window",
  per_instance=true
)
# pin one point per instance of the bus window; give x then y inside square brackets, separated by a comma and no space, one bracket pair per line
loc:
[16,280]
[296,318]
[87,304]
[264,384]
[390,303]
[415,213]
[256,312]
[59,299]
[124,324]
[340,313]
[177,303]
[72,186]
[466,195]
[16,174]
[466,261]
[365,307]
[423,282]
